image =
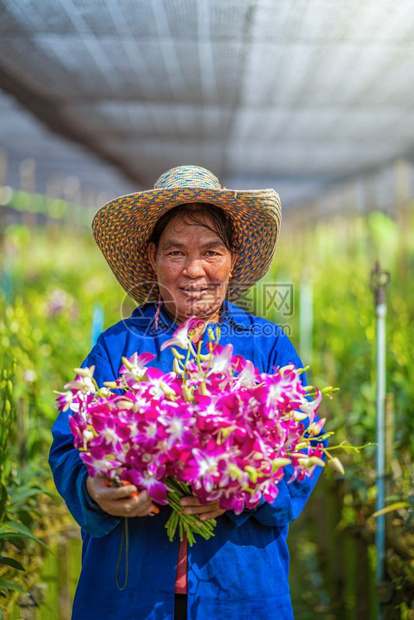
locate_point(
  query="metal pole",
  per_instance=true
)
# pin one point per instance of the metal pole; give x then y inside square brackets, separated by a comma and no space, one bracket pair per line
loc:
[379,283]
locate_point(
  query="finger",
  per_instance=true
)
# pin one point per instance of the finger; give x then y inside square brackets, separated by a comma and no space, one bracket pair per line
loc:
[140,511]
[190,500]
[145,513]
[122,483]
[196,510]
[194,501]
[211,515]
[128,507]
[130,503]
[142,501]
[128,490]
[117,493]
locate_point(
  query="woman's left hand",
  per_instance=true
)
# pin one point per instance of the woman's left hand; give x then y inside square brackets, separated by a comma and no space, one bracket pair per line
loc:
[192,506]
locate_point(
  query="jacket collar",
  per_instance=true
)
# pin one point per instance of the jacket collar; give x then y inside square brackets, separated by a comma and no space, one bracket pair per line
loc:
[144,317]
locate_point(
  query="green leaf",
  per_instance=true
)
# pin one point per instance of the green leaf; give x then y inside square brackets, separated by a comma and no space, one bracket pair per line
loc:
[3,499]
[9,585]
[11,562]
[19,543]
[392,498]
[390,508]
[12,529]
[25,517]
[24,494]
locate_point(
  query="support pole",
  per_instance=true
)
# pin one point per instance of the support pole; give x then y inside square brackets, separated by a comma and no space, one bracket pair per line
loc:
[379,282]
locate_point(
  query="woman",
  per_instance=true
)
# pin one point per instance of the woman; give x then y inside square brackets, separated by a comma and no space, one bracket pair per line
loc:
[187,247]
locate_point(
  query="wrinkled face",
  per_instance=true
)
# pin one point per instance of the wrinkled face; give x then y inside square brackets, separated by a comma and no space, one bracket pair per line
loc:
[193,268]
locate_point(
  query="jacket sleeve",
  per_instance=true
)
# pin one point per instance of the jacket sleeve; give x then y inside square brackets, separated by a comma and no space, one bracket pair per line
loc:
[69,471]
[292,496]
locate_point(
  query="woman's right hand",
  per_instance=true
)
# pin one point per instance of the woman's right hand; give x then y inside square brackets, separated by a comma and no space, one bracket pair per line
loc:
[117,501]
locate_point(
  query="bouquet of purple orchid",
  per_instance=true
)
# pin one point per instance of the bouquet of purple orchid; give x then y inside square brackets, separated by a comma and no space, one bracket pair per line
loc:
[214,426]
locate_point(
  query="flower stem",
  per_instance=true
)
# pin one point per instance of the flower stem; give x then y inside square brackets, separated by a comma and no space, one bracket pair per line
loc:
[186,524]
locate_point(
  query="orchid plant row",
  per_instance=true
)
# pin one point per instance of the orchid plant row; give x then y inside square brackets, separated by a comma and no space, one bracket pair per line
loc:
[214,427]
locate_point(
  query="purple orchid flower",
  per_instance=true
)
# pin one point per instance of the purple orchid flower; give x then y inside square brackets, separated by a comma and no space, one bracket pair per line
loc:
[182,335]
[134,369]
[97,461]
[83,381]
[157,490]
[222,427]
[220,361]
[65,400]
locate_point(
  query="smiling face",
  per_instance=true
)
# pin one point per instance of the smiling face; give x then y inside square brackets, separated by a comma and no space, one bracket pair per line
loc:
[193,268]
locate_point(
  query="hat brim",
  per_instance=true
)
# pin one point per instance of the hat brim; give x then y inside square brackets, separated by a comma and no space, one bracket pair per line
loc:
[123,226]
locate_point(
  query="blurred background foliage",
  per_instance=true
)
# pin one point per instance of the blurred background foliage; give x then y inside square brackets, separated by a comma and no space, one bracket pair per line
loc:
[53,278]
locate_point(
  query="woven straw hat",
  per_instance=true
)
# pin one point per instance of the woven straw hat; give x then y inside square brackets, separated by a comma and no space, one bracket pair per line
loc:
[123,226]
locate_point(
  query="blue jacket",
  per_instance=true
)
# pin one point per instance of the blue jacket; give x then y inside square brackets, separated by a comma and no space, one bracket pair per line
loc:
[240,573]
